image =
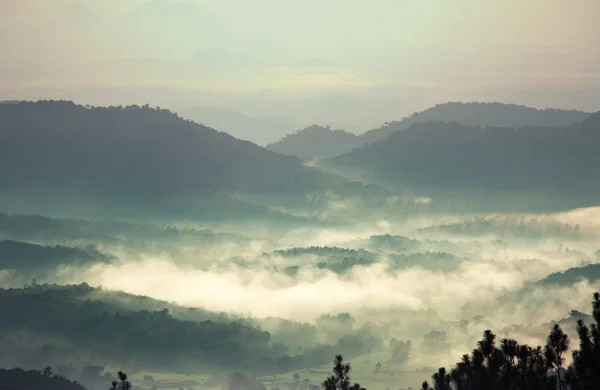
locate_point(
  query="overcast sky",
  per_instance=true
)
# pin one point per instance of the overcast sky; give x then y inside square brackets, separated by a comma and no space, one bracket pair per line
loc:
[397,53]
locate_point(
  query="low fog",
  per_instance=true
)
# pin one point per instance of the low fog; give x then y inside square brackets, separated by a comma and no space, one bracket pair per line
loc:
[445,269]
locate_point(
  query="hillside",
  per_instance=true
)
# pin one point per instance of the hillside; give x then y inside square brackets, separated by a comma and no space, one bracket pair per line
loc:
[315,142]
[453,156]
[88,325]
[134,153]
[480,114]
[318,142]
[590,272]
[24,256]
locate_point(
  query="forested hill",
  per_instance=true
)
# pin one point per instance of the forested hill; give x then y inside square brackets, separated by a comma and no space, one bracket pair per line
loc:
[85,325]
[480,114]
[451,155]
[134,152]
[319,142]
[315,142]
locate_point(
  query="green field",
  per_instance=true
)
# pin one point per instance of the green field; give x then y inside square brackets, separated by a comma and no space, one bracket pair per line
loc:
[390,376]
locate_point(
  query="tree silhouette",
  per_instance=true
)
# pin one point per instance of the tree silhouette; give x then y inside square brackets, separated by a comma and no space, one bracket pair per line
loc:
[513,366]
[340,380]
[584,372]
[123,383]
[556,346]
[441,380]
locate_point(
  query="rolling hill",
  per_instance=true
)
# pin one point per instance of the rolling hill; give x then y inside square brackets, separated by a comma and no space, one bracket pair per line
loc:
[25,256]
[60,149]
[480,114]
[310,143]
[315,142]
[453,156]
[79,323]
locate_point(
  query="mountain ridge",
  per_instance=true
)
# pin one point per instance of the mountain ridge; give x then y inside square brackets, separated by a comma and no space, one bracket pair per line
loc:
[453,155]
[300,144]
[136,153]
[471,114]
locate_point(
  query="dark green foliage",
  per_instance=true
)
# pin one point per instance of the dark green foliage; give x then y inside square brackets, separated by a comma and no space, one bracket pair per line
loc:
[479,114]
[79,316]
[342,260]
[515,227]
[459,159]
[512,366]
[151,338]
[316,142]
[574,275]
[26,256]
[490,367]
[135,153]
[584,372]
[18,379]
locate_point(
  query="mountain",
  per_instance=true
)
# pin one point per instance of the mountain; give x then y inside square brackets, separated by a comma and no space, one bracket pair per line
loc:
[310,143]
[80,318]
[29,257]
[453,156]
[261,131]
[480,114]
[315,142]
[62,150]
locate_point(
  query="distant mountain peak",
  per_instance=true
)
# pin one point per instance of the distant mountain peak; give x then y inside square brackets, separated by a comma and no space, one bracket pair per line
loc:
[493,114]
[315,141]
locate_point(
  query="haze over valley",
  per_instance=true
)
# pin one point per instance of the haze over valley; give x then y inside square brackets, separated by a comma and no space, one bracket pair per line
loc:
[268,196]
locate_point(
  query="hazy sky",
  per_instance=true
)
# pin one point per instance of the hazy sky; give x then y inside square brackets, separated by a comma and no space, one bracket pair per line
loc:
[414,52]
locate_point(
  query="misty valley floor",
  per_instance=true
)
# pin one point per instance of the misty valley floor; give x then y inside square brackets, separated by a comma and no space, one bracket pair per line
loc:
[436,279]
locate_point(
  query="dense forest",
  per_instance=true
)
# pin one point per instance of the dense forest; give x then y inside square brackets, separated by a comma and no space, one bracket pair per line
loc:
[79,319]
[515,228]
[493,365]
[154,154]
[480,114]
[319,142]
[450,157]
[316,142]
[31,257]
[343,260]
